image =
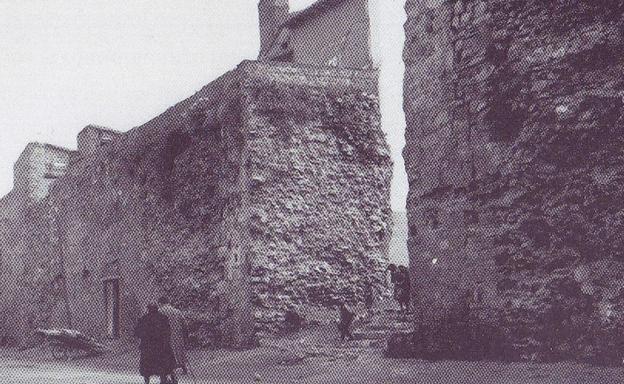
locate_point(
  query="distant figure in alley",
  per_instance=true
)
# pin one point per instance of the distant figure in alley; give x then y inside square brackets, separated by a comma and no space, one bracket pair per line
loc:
[399,277]
[346,318]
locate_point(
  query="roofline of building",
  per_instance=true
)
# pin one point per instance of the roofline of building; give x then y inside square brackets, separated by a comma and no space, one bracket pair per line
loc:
[101,128]
[48,146]
[312,11]
[45,146]
[58,148]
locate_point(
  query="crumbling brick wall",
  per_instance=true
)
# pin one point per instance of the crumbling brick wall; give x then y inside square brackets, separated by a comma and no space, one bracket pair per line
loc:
[267,189]
[514,112]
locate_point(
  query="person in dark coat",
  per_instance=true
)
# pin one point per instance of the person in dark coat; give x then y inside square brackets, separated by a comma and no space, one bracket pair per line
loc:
[399,277]
[156,354]
[177,322]
[405,287]
[346,318]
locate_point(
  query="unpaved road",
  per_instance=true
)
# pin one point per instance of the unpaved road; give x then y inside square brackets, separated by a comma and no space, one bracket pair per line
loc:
[266,366]
[15,372]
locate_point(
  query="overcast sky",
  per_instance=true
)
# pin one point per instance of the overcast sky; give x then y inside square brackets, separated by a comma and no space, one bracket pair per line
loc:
[68,63]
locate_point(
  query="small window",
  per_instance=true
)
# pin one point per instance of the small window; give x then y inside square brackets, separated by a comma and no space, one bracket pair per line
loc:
[58,282]
[470,217]
[432,218]
[55,170]
[479,296]
[106,139]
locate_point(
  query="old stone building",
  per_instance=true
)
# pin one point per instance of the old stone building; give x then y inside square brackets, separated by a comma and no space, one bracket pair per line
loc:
[266,191]
[328,32]
[515,115]
[37,168]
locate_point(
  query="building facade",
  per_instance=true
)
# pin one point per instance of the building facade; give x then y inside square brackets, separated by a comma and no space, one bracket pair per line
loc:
[328,33]
[265,192]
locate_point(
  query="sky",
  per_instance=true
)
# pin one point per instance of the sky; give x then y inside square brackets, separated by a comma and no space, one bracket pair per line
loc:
[65,64]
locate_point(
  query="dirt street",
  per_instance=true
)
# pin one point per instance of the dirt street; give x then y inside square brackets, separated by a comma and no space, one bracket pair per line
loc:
[271,365]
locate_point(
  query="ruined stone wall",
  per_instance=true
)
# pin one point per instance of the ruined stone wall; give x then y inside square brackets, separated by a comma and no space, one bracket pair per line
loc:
[514,112]
[11,212]
[223,193]
[147,210]
[319,171]
[35,170]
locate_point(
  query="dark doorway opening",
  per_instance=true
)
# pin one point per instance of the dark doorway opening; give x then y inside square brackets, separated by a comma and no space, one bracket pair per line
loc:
[111,303]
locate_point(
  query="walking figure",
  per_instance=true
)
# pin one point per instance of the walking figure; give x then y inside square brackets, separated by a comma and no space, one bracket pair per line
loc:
[399,277]
[344,324]
[156,355]
[177,321]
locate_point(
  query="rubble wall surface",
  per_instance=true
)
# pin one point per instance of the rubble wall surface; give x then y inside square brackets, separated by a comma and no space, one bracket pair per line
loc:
[221,203]
[320,169]
[514,137]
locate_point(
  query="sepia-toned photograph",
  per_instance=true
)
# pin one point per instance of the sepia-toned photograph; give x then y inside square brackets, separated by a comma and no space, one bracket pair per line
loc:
[311,191]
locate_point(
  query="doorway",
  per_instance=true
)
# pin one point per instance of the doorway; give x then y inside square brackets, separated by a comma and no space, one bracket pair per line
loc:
[111,303]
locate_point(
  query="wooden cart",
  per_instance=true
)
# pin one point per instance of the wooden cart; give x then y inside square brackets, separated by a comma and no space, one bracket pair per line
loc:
[69,344]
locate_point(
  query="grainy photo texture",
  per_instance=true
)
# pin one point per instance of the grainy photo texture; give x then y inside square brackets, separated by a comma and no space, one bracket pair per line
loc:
[312,191]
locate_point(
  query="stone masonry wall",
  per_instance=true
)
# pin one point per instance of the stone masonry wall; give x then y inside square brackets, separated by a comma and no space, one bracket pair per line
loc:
[222,193]
[11,213]
[320,170]
[35,170]
[515,112]
[148,210]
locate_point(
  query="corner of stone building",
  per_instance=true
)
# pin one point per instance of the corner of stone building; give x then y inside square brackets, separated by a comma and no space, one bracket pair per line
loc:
[37,167]
[318,173]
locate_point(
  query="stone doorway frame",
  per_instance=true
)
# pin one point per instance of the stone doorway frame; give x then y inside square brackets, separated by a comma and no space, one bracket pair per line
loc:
[112,306]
